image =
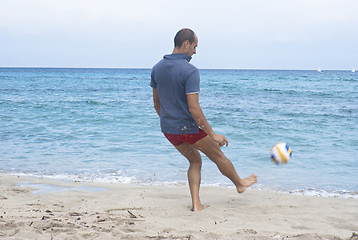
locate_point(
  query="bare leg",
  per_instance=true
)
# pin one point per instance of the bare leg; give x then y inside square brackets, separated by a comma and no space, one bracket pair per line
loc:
[194,173]
[213,151]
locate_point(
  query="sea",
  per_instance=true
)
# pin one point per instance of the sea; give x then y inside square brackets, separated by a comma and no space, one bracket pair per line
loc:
[100,125]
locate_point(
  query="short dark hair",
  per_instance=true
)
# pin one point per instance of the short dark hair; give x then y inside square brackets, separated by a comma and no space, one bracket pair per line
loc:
[183,35]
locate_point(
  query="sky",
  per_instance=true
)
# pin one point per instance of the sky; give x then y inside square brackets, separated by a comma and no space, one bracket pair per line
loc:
[233,34]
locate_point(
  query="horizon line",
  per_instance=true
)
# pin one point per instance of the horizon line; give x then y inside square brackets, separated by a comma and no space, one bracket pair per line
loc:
[252,69]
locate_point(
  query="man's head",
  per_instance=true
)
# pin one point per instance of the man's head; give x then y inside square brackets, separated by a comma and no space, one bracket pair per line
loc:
[185,41]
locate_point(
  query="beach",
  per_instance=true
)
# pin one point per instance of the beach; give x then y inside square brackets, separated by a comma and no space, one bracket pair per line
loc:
[83,157]
[43,208]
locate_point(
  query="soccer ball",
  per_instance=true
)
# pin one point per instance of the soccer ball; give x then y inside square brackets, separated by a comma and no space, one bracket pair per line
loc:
[281,153]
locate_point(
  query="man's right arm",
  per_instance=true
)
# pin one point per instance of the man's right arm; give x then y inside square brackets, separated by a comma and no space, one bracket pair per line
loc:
[156,101]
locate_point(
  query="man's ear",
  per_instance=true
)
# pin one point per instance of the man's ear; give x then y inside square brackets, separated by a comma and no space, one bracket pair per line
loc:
[186,44]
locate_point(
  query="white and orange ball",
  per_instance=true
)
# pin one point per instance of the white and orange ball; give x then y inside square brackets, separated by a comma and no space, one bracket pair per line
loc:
[281,153]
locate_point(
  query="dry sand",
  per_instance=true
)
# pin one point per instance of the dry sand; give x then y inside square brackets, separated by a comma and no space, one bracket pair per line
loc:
[125,211]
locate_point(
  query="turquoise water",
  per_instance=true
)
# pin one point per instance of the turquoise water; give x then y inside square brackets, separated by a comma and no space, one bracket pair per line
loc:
[100,125]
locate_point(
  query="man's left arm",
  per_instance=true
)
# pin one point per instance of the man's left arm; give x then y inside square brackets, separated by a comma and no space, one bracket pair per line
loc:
[199,117]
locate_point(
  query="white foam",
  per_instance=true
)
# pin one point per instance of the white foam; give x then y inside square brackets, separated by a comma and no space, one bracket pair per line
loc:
[85,178]
[324,193]
[312,192]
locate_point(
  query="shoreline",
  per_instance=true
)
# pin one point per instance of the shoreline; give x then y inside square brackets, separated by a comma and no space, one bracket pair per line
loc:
[341,193]
[87,210]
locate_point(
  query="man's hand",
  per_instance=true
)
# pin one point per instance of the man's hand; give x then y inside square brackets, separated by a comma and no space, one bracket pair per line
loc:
[220,139]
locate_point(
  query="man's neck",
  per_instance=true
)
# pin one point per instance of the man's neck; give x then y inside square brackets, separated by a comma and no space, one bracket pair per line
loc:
[178,50]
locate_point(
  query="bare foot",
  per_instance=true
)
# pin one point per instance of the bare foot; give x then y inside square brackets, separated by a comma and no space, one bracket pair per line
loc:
[199,208]
[246,182]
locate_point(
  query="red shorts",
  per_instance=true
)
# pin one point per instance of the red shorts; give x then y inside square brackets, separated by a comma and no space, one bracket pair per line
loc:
[178,139]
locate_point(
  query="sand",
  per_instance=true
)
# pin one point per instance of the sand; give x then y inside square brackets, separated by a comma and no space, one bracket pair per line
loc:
[84,210]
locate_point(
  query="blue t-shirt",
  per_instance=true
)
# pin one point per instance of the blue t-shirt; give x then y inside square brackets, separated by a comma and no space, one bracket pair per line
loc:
[174,77]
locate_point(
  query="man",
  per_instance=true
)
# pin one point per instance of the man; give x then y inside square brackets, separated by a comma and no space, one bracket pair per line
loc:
[176,86]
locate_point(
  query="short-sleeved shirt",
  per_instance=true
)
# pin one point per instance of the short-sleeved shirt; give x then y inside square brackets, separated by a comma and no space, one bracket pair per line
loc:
[174,77]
